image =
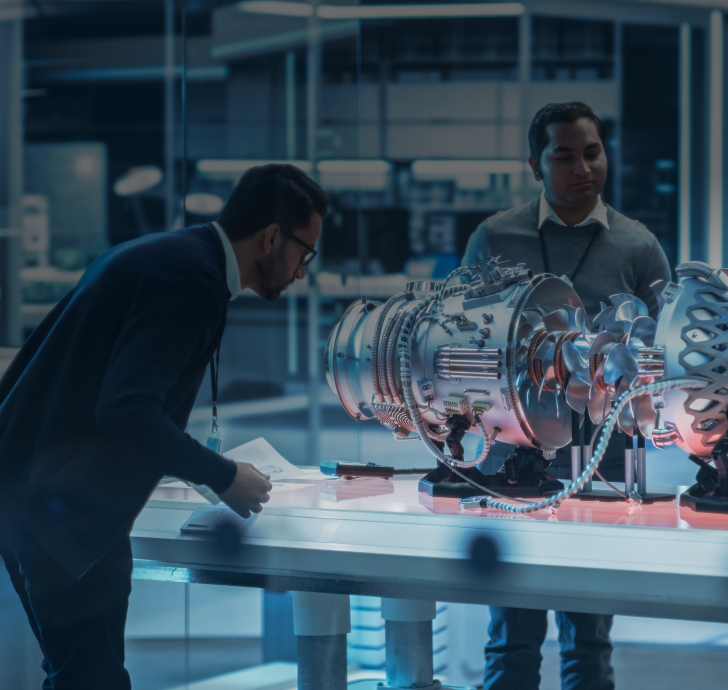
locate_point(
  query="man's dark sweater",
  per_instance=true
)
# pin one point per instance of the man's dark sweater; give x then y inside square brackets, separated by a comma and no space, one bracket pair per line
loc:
[93,408]
[625,258]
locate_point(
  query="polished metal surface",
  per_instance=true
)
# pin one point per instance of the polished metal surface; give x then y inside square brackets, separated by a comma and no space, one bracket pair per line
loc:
[641,456]
[692,328]
[504,307]
[537,359]
[628,471]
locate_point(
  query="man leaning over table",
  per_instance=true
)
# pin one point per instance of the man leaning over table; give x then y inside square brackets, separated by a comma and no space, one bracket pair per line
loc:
[94,406]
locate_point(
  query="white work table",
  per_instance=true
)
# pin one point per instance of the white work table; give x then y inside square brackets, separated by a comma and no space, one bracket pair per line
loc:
[384,538]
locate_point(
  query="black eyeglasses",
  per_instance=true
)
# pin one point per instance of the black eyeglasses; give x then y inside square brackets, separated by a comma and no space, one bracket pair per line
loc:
[307,258]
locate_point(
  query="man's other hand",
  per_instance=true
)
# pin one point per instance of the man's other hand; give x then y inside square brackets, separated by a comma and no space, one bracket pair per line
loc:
[249,490]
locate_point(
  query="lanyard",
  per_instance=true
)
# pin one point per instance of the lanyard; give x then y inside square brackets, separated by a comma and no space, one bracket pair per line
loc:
[214,436]
[545,256]
[214,374]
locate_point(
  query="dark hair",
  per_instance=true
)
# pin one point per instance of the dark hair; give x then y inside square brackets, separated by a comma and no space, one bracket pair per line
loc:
[538,137]
[274,193]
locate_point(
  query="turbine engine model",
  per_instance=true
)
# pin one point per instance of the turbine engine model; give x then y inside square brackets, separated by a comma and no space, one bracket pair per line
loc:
[510,355]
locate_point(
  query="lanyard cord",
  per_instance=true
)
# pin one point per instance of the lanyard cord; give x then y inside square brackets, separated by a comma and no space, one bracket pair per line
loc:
[545,256]
[214,373]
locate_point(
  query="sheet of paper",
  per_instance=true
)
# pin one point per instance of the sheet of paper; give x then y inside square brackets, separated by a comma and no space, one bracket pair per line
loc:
[282,486]
[265,459]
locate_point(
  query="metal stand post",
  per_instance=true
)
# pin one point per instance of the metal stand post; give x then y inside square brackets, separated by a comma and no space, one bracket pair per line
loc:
[585,454]
[641,464]
[575,446]
[628,464]
[629,470]
[321,623]
[408,643]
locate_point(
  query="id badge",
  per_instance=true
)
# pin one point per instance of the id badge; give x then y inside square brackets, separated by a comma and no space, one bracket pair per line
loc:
[214,439]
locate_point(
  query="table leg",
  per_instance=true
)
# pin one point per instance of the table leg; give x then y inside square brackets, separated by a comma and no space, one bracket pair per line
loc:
[408,642]
[321,623]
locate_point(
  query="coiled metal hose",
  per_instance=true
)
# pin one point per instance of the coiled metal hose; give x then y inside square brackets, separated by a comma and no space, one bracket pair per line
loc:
[375,342]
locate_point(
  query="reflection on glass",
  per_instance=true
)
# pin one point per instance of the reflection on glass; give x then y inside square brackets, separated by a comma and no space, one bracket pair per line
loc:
[139,117]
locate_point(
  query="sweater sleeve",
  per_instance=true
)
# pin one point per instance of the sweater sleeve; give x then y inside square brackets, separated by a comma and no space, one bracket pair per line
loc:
[164,331]
[478,247]
[654,268]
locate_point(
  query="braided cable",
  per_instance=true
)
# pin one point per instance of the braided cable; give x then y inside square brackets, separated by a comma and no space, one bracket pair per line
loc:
[449,292]
[441,295]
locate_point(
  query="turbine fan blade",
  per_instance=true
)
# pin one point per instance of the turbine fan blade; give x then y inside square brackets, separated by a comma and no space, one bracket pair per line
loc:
[625,421]
[524,333]
[521,353]
[597,406]
[577,391]
[643,328]
[601,343]
[607,319]
[533,317]
[548,378]
[599,402]
[618,363]
[557,321]
[627,311]
[623,298]
[577,319]
[549,375]
[543,348]
[572,358]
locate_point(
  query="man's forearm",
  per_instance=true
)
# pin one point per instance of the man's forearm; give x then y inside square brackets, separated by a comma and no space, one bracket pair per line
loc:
[148,435]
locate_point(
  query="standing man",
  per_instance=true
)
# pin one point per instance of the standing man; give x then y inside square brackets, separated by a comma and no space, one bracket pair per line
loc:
[568,231]
[93,411]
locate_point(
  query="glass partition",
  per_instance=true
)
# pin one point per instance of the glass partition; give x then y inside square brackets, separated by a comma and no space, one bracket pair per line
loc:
[129,117]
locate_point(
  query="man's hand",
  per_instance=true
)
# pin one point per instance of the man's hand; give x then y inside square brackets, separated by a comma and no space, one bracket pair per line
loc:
[248,491]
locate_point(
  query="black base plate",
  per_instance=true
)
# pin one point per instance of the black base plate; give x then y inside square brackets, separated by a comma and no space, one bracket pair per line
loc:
[695,498]
[609,495]
[442,482]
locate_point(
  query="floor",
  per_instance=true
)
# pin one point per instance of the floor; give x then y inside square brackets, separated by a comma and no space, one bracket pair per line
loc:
[160,664]
[654,667]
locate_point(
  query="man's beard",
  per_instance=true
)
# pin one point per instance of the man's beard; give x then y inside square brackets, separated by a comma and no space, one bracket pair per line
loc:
[272,276]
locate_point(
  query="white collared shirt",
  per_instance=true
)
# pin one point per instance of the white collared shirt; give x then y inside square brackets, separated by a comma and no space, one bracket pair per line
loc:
[546,212]
[231,263]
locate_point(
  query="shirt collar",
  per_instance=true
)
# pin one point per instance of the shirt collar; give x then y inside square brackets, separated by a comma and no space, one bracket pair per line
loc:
[232,271]
[598,214]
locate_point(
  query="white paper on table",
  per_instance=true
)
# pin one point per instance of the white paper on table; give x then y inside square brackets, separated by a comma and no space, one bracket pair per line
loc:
[281,486]
[266,459]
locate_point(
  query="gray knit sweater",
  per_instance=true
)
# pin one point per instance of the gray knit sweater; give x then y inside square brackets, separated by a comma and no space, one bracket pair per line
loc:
[626,258]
